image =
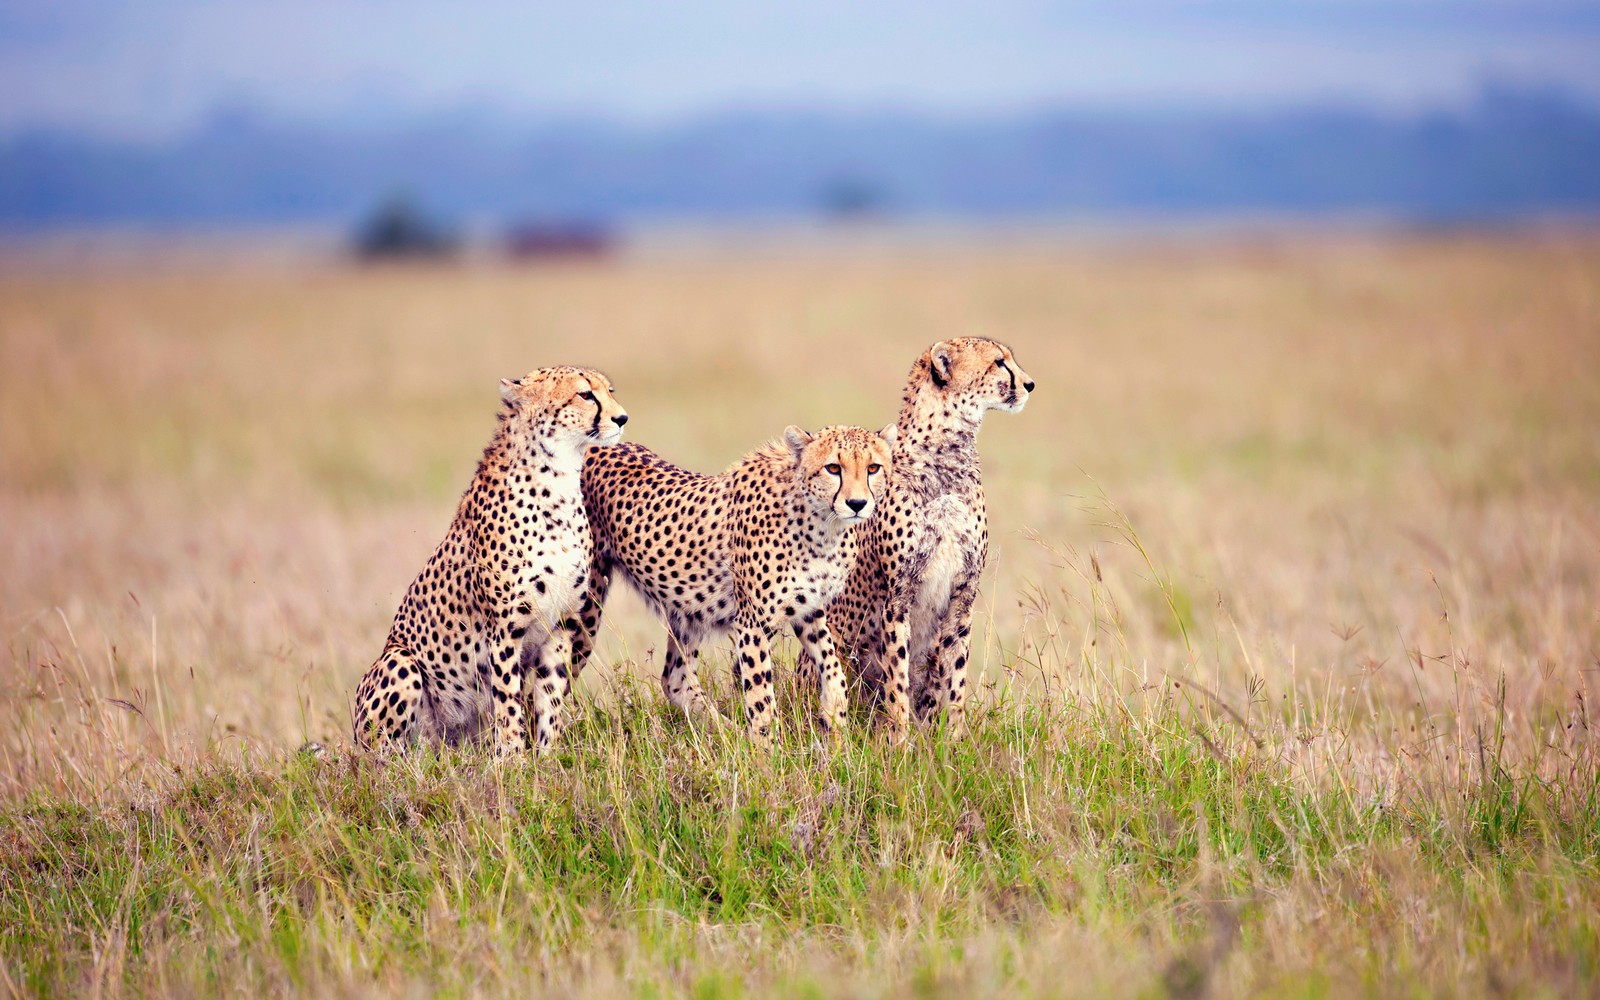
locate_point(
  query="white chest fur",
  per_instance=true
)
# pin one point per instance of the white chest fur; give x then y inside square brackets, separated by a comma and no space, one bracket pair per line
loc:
[823,578]
[554,562]
[951,530]
[570,562]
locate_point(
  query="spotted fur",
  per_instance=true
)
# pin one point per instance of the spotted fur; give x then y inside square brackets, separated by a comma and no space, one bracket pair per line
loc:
[764,545]
[909,599]
[483,616]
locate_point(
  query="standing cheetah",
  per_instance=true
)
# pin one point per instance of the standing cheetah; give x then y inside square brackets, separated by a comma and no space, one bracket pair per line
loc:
[767,543]
[486,608]
[909,599]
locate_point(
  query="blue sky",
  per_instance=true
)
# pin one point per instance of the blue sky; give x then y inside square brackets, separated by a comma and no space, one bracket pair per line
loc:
[157,66]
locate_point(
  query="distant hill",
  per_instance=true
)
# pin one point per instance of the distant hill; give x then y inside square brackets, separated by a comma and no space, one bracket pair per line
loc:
[1512,152]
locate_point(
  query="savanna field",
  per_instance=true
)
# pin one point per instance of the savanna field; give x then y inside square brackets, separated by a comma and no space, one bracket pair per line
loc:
[1289,643]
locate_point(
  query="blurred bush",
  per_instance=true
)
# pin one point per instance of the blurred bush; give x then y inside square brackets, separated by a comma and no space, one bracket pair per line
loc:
[399,229]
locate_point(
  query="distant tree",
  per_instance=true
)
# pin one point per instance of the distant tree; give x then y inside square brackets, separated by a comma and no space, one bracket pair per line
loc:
[399,229]
[852,197]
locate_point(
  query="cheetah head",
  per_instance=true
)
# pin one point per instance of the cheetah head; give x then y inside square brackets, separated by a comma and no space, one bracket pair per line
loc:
[844,471]
[976,374]
[575,405]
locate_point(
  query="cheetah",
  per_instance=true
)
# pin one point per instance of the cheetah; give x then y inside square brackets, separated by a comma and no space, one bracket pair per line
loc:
[486,610]
[765,544]
[909,598]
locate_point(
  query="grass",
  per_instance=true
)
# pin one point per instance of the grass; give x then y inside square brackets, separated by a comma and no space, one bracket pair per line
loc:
[1287,645]
[648,859]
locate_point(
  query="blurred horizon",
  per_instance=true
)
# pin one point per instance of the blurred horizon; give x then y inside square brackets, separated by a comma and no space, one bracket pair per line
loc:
[180,113]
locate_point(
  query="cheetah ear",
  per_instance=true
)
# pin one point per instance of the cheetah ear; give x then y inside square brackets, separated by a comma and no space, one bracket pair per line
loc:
[940,360]
[508,389]
[889,433]
[796,438]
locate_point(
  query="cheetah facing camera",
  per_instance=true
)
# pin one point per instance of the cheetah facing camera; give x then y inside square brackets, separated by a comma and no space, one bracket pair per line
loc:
[767,543]
[909,598]
[486,610]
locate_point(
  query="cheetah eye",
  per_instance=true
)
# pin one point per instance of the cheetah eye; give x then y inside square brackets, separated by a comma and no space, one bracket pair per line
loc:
[999,362]
[834,468]
[586,395]
[874,469]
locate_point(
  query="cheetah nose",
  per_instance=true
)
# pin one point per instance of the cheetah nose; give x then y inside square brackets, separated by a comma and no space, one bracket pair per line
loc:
[855,505]
[1028,385]
[620,419]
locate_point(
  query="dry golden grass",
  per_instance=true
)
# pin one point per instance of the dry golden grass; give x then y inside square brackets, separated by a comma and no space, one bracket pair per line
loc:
[1345,492]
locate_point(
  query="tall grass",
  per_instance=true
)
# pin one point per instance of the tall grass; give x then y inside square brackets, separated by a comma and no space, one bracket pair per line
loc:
[1070,846]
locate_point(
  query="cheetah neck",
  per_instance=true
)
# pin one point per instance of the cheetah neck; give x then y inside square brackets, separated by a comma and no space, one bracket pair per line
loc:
[936,437]
[522,447]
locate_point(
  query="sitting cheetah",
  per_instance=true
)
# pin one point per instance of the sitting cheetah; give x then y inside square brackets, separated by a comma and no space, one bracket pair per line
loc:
[765,544]
[909,598]
[485,609]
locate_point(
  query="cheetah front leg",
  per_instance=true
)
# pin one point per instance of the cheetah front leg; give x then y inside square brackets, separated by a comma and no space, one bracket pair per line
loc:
[806,674]
[817,649]
[583,625]
[752,671]
[895,664]
[946,683]
[551,688]
[505,682]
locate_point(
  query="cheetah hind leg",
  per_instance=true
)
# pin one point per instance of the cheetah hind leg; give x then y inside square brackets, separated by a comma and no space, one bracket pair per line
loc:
[390,710]
[680,682]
